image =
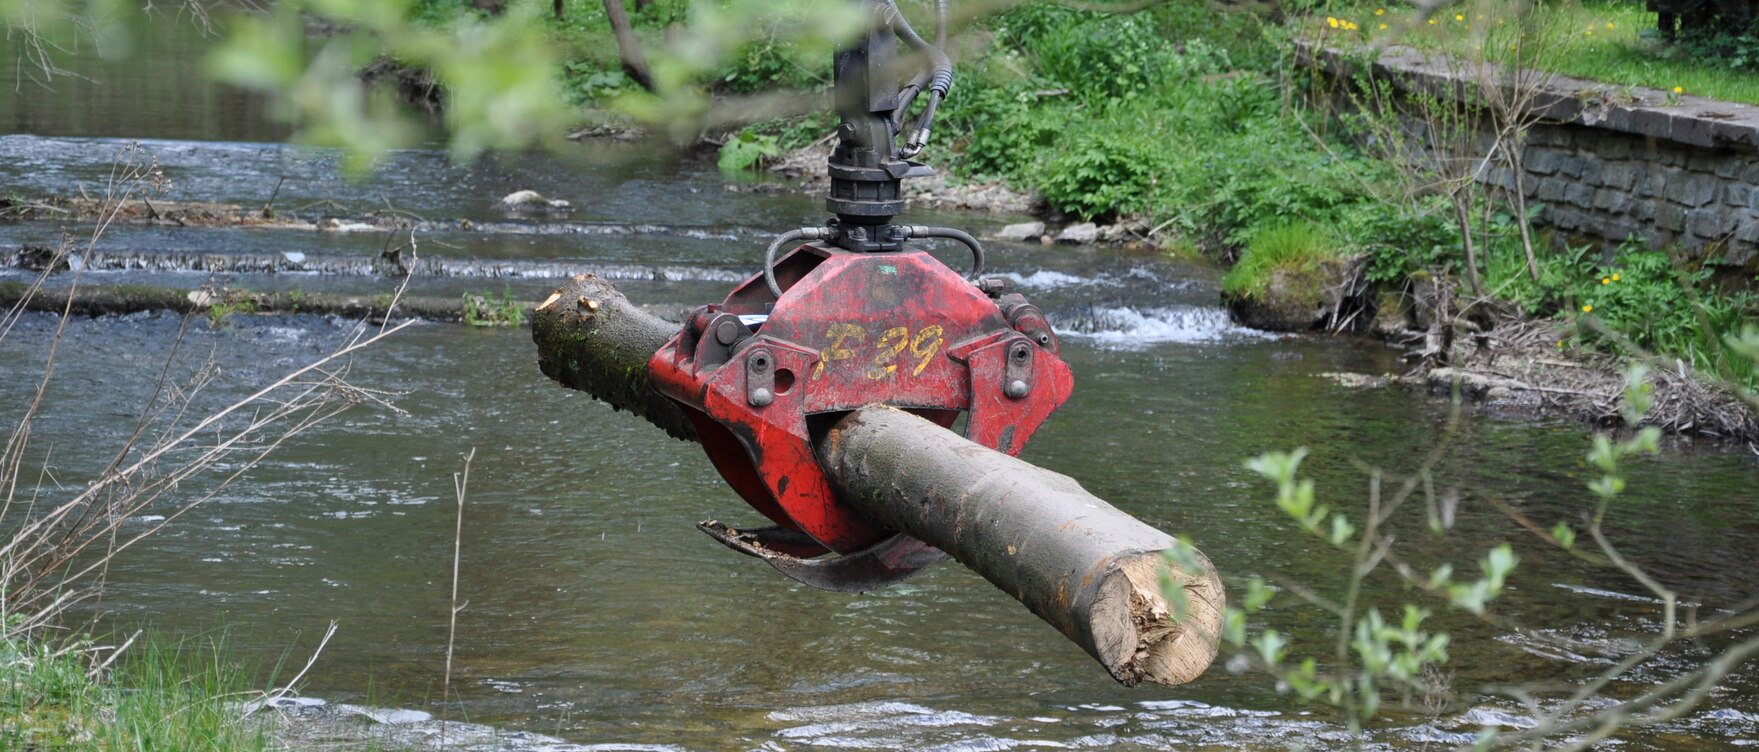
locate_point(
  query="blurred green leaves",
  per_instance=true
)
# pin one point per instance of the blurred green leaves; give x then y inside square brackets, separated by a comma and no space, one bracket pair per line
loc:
[499,76]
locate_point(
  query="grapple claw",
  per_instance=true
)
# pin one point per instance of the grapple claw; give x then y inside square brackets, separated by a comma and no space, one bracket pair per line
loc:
[881,565]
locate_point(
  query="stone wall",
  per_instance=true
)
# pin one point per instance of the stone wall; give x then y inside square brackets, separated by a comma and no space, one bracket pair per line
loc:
[1608,163]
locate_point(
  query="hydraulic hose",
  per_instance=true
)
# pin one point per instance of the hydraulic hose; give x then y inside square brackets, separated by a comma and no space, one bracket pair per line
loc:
[907,95]
[942,80]
[919,231]
[769,259]
[940,24]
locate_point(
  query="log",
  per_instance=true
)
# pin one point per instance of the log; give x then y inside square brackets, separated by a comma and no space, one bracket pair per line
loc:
[1086,567]
[1090,570]
[119,300]
[591,338]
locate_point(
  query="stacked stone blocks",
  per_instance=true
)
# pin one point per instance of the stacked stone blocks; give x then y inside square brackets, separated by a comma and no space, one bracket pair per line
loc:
[1677,171]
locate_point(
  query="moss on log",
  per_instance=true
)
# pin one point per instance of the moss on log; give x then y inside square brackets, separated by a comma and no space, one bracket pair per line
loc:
[591,338]
[117,300]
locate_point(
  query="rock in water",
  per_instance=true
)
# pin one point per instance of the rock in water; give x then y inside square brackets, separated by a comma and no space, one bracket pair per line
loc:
[1024,231]
[1294,298]
[1086,233]
[40,258]
[532,201]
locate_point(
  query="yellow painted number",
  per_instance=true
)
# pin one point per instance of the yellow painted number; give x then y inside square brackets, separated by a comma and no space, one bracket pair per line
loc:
[889,345]
[924,346]
[842,338]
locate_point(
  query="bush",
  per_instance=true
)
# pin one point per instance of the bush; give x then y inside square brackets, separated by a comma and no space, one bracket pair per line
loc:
[998,130]
[1111,173]
[1661,305]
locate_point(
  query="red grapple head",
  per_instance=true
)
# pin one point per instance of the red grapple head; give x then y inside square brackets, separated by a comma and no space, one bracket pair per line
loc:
[758,375]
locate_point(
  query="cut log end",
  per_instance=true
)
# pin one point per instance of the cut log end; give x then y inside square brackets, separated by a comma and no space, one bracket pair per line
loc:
[1141,636]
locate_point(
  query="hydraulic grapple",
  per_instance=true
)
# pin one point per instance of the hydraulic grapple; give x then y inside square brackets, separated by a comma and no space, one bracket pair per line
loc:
[857,316]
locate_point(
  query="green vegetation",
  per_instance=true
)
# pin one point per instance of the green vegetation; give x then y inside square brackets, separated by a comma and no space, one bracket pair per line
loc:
[1292,249]
[236,301]
[1612,42]
[748,150]
[1223,141]
[485,309]
[157,695]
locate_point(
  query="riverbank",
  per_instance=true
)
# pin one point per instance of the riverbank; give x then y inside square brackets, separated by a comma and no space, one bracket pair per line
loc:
[137,693]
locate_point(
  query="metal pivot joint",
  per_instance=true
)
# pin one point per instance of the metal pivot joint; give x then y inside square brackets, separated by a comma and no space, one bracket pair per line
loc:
[867,168]
[847,315]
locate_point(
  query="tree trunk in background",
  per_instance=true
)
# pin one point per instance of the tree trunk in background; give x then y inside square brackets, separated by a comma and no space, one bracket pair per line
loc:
[628,46]
[1090,570]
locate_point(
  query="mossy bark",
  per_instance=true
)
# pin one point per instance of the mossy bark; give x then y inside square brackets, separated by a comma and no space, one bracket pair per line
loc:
[591,338]
[117,300]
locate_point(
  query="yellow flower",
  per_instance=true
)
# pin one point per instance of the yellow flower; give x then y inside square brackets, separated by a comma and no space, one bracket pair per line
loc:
[1332,21]
[1608,24]
[1615,277]
[1383,26]
[1606,280]
[1431,22]
[1589,32]
[1459,17]
[1560,343]
[1380,11]
[1587,309]
[1679,89]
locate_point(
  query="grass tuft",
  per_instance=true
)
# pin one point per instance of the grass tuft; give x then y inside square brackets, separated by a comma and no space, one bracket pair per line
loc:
[160,694]
[1294,249]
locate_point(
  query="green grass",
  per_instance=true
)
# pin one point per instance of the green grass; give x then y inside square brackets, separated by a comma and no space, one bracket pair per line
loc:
[1610,42]
[1294,249]
[159,695]
[485,309]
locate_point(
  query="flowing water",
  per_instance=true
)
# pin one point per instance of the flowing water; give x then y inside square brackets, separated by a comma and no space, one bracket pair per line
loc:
[597,618]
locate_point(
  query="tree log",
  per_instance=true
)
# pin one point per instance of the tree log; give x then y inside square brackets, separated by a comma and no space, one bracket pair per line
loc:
[591,338]
[119,300]
[1082,565]
[1086,567]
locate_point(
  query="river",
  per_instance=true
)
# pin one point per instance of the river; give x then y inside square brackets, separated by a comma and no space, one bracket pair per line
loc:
[597,616]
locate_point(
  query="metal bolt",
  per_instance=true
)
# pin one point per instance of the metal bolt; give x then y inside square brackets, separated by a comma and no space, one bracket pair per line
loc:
[726,331]
[759,363]
[1020,353]
[1016,389]
[761,397]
